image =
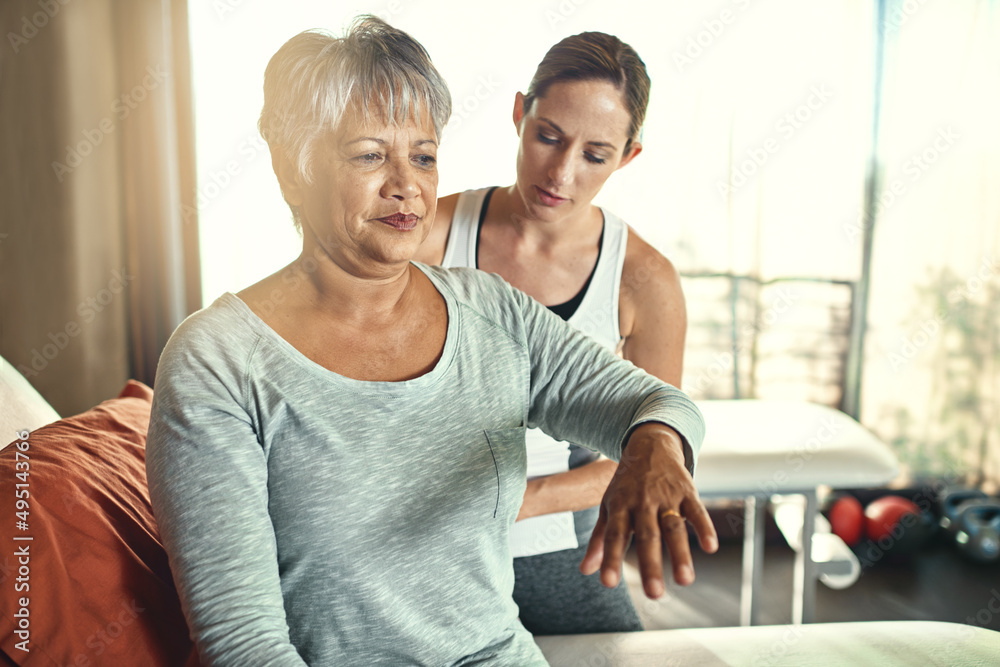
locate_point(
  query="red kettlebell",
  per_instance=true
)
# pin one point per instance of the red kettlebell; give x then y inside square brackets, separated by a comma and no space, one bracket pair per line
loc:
[847,520]
[896,525]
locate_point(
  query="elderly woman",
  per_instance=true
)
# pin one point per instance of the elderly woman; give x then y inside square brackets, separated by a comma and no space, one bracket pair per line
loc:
[336,454]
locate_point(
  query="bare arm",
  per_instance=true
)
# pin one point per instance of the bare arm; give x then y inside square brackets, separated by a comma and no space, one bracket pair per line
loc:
[653,321]
[653,315]
[570,491]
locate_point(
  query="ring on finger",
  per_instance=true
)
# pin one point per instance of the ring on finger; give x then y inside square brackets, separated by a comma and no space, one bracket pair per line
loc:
[670,512]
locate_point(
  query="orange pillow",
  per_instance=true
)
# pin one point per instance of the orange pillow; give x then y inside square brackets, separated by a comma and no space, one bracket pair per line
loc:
[94,587]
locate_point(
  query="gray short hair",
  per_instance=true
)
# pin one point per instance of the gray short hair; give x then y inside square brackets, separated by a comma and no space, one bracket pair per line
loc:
[314,77]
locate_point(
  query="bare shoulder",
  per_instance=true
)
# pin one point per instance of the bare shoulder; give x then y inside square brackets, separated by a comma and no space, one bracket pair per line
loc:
[431,251]
[650,287]
[646,271]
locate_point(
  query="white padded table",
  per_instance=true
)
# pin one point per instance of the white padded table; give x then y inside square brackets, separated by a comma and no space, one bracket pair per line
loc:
[21,406]
[755,449]
[869,644]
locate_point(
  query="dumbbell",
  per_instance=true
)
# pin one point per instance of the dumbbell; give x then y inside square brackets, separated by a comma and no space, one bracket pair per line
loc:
[978,529]
[950,499]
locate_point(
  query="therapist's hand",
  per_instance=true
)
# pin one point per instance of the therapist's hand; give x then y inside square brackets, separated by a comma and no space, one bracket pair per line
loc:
[650,496]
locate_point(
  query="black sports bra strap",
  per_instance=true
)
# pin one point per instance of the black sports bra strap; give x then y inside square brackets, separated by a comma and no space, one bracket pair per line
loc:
[566,309]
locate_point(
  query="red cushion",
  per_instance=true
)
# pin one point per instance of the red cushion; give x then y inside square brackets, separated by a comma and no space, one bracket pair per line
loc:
[100,591]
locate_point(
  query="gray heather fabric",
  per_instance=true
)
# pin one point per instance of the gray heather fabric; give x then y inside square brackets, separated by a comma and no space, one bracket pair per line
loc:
[553,598]
[315,519]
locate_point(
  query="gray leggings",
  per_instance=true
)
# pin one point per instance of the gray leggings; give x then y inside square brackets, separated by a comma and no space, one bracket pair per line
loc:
[555,599]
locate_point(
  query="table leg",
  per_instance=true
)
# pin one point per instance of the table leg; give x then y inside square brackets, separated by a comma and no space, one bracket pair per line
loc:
[754,512]
[806,571]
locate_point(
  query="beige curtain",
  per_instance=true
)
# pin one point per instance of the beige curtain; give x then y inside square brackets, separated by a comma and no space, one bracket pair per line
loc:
[158,175]
[96,264]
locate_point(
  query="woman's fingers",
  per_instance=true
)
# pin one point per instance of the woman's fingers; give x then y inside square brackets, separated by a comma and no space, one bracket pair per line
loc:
[616,534]
[697,515]
[595,548]
[649,549]
[606,549]
[675,537]
[653,528]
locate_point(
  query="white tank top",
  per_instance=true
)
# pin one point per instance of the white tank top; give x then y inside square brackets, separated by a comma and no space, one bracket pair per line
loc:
[596,316]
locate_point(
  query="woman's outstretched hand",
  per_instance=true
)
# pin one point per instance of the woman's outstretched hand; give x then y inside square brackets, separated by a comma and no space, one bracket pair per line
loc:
[651,496]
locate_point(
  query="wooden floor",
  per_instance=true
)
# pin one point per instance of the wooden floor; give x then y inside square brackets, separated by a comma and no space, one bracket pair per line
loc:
[934,584]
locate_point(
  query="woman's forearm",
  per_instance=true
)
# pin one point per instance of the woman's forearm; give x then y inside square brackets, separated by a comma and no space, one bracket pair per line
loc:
[569,491]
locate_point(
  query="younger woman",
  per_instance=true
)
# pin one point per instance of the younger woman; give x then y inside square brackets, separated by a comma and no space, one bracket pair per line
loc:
[578,123]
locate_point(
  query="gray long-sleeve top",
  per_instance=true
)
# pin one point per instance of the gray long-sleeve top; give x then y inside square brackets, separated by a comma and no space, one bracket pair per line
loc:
[314,519]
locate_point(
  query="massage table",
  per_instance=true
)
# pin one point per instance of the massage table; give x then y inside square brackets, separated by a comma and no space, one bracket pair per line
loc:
[872,643]
[771,450]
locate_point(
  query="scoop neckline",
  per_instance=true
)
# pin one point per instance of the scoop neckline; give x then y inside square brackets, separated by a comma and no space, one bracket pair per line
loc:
[380,387]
